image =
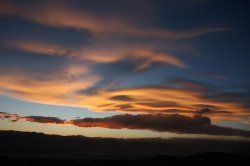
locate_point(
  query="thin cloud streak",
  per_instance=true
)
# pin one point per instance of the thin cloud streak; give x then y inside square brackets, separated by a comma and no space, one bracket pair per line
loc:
[63,16]
[41,48]
[146,56]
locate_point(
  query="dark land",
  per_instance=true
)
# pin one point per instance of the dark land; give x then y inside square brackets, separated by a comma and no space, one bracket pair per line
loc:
[28,148]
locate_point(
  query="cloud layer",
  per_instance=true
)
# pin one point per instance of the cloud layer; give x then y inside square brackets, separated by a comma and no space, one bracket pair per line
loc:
[65,88]
[61,15]
[158,122]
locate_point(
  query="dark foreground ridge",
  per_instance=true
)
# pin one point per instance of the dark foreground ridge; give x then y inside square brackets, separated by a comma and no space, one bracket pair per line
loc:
[27,148]
[201,159]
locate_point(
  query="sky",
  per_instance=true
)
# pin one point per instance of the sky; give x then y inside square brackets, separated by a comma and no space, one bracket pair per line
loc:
[126,69]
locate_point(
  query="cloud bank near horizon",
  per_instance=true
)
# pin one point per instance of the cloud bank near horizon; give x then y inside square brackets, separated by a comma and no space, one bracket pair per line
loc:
[158,122]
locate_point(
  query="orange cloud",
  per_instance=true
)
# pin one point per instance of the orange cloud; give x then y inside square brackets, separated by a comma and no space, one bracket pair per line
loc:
[146,56]
[38,47]
[60,15]
[54,87]
[145,99]
[63,87]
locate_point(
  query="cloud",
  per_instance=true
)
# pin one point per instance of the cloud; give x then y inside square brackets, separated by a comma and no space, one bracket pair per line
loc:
[160,104]
[114,54]
[114,40]
[37,119]
[161,122]
[63,15]
[11,117]
[121,98]
[40,119]
[99,54]
[207,111]
[53,87]
[160,99]
[190,84]
[109,35]
[242,98]
[157,122]
[41,48]
[64,86]
[204,111]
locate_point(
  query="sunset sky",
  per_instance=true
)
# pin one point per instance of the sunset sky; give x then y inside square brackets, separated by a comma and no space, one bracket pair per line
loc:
[126,68]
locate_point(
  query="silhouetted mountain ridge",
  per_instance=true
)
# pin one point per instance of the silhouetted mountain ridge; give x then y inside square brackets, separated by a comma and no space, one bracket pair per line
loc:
[200,159]
[19,145]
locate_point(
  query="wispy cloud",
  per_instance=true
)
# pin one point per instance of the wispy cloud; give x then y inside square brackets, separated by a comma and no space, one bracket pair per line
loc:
[40,48]
[99,54]
[63,16]
[146,56]
[53,87]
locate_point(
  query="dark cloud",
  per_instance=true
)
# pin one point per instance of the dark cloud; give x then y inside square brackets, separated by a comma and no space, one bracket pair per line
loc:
[208,106]
[104,105]
[204,111]
[161,122]
[37,119]
[124,106]
[40,119]
[89,91]
[133,109]
[176,111]
[160,104]
[121,98]
[11,117]
[209,111]
[157,122]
